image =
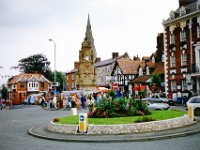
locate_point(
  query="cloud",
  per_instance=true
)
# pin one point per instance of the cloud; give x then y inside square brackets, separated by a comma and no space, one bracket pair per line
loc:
[117,25]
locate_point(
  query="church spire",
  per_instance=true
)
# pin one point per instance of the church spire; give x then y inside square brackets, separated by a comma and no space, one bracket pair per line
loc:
[88,33]
[89,40]
[88,22]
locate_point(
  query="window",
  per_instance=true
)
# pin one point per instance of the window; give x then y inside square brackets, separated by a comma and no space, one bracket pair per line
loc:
[22,85]
[183,36]
[198,31]
[184,85]
[173,86]
[184,59]
[73,76]
[163,58]
[147,70]
[140,72]
[67,77]
[42,84]
[198,5]
[173,62]
[172,38]
[195,100]
[153,59]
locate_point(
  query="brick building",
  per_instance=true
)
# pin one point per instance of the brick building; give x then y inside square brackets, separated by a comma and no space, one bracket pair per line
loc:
[25,84]
[182,32]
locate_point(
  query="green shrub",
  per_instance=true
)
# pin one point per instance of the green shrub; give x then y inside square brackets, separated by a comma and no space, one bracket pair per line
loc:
[118,107]
[131,111]
[145,119]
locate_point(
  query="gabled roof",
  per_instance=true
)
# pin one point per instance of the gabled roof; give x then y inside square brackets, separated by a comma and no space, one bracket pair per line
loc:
[151,65]
[145,58]
[23,77]
[110,61]
[141,79]
[71,71]
[105,62]
[159,68]
[143,66]
[128,66]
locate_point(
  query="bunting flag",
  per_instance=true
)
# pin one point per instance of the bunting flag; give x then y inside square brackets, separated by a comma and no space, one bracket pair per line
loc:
[6,76]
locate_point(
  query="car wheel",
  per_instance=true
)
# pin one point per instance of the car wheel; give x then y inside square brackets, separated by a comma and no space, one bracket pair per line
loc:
[197,112]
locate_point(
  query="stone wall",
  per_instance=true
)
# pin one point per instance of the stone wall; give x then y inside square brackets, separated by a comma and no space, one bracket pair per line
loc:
[125,128]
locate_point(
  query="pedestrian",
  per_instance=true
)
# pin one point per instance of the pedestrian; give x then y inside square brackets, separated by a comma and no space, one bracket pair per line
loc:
[48,104]
[179,97]
[1,104]
[55,102]
[119,94]
[83,100]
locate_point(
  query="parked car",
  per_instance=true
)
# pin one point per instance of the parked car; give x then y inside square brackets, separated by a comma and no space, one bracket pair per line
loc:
[158,99]
[156,106]
[195,103]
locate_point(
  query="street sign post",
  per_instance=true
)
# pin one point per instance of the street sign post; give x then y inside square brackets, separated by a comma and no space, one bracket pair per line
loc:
[83,122]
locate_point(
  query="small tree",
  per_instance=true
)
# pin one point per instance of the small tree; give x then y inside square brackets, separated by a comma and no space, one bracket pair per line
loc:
[4,92]
[60,77]
[156,80]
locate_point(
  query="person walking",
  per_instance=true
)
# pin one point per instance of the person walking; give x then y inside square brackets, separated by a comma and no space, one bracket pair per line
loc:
[1,104]
[83,100]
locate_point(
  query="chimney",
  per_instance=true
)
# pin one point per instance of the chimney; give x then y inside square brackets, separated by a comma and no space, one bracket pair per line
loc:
[136,58]
[76,65]
[115,55]
[98,59]
[185,2]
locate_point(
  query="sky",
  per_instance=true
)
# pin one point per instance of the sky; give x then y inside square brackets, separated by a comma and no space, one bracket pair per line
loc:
[117,26]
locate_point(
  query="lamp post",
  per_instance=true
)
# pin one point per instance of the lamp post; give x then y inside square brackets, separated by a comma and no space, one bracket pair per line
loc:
[54,63]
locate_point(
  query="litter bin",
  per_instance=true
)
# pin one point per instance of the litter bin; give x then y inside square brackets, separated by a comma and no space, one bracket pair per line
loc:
[83,122]
[74,111]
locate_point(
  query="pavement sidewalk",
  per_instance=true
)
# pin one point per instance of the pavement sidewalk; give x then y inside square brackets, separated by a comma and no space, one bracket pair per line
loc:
[42,132]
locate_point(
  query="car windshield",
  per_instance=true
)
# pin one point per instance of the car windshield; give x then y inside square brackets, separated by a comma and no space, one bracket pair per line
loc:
[195,100]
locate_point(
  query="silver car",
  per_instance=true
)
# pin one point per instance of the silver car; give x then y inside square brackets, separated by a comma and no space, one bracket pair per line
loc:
[195,103]
[156,106]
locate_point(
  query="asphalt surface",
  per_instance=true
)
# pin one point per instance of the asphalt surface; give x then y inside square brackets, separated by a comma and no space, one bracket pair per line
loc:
[15,123]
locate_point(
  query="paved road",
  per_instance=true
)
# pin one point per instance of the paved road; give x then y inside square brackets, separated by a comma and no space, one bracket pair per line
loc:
[15,123]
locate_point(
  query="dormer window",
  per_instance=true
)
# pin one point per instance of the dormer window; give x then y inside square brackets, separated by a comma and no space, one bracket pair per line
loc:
[140,72]
[153,59]
[147,70]
[182,11]
[198,5]
[172,15]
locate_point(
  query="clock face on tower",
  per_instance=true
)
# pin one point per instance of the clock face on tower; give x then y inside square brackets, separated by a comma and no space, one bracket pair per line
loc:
[87,58]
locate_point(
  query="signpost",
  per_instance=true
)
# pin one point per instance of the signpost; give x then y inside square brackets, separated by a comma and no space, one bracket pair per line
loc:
[190,112]
[115,86]
[83,122]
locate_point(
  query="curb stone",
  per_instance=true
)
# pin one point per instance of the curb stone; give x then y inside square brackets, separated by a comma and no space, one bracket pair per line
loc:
[43,133]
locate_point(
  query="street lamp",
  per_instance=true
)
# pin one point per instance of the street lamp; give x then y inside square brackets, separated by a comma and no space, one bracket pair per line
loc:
[54,62]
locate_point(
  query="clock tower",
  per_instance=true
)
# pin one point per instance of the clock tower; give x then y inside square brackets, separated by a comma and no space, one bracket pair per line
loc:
[86,74]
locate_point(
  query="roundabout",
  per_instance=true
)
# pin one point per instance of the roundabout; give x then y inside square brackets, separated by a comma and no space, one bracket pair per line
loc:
[183,128]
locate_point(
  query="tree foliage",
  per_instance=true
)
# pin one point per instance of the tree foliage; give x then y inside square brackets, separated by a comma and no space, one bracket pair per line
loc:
[4,92]
[35,63]
[156,80]
[60,78]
